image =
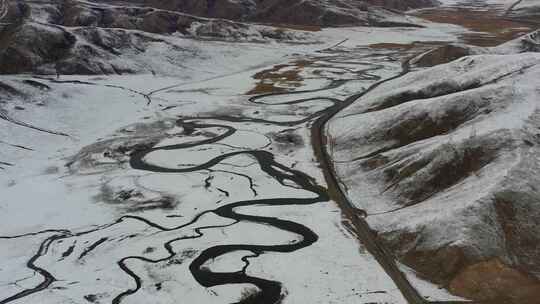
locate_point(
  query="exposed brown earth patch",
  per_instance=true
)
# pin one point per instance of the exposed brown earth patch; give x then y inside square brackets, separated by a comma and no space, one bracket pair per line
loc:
[438,265]
[441,55]
[437,52]
[279,78]
[493,29]
[416,45]
[392,46]
[307,28]
[490,281]
[494,282]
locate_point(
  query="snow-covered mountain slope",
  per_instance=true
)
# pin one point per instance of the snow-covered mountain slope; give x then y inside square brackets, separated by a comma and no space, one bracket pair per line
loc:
[526,10]
[72,37]
[114,37]
[444,161]
[450,52]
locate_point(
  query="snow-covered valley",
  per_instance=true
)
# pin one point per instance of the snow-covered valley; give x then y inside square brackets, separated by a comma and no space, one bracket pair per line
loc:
[198,165]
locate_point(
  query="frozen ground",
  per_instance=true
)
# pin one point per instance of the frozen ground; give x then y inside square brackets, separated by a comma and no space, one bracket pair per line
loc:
[146,188]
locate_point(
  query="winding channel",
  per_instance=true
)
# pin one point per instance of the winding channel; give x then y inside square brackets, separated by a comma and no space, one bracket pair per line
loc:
[269,292]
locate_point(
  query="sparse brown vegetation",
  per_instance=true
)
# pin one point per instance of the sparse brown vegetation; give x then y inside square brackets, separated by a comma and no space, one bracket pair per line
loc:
[279,78]
[490,28]
[391,46]
[497,283]
[307,28]
[442,54]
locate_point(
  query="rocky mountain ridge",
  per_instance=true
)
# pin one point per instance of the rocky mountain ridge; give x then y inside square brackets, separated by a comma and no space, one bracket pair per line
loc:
[72,37]
[298,12]
[112,37]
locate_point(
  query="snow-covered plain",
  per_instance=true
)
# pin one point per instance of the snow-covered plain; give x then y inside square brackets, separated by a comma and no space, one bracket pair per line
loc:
[73,205]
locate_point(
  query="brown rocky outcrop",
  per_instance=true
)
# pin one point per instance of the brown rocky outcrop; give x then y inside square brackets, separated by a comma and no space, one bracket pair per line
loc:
[294,12]
[496,282]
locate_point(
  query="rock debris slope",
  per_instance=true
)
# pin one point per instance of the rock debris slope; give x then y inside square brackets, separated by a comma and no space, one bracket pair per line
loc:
[445,162]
